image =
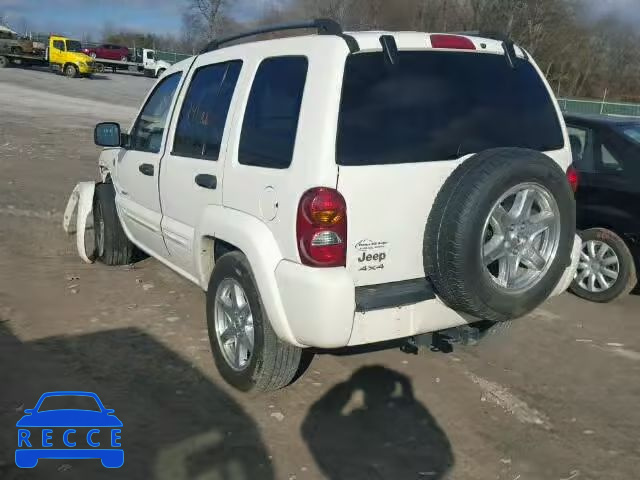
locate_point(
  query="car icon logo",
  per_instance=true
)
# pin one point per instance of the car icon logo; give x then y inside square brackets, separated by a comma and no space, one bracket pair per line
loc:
[69,433]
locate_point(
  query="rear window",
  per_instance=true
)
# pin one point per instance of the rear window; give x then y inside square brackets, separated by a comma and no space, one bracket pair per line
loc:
[439,106]
[631,132]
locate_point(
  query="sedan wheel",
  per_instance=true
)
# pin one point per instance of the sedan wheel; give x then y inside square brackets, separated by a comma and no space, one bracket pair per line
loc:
[606,270]
[599,267]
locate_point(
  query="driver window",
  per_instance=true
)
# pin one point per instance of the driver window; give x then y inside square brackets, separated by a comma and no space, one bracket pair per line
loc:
[58,44]
[146,135]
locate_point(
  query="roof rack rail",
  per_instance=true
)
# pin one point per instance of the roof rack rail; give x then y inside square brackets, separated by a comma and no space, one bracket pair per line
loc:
[324,26]
[507,43]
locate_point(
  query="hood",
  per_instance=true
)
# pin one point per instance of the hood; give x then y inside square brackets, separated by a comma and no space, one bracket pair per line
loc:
[69,418]
[80,57]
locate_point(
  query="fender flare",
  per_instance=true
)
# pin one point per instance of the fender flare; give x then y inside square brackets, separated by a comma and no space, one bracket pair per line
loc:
[81,200]
[260,248]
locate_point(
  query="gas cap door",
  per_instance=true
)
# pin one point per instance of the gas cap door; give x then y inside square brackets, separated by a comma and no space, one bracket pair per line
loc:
[269,204]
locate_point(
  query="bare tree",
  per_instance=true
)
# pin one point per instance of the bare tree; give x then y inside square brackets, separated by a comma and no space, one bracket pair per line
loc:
[210,11]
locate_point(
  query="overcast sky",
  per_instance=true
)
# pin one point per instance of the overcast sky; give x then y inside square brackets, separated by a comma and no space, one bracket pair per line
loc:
[78,17]
[75,17]
[627,11]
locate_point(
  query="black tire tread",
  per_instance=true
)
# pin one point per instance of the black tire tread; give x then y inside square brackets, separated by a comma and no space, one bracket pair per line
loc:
[118,249]
[279,361]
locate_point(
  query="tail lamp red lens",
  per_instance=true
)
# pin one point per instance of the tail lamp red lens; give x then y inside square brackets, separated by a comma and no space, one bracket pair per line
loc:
[322,228]
[451,41]
[572,178]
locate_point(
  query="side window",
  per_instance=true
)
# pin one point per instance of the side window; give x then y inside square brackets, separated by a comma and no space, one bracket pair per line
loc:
[608,161]
[271,117]
[59,44]
[147,132]
[204,111]
[581,140]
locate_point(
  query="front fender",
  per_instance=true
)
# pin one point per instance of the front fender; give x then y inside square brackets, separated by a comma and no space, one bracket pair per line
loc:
[82,200]
[256,241]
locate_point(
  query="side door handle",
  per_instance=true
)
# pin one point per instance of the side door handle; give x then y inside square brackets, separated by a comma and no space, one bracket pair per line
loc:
[207,181]
[146,169]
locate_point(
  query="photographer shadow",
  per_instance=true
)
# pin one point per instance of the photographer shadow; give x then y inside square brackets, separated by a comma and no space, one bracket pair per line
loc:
[372,426]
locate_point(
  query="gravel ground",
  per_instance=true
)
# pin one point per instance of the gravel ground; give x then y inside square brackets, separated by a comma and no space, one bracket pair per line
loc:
[555,398]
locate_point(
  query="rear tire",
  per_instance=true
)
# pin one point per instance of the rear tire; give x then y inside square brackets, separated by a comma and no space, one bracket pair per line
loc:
[455,236]
[4,62]
[271,364]
[112,246]
[623,264]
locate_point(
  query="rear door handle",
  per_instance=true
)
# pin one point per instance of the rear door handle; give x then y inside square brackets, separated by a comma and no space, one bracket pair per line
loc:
[146,169]
[207,181]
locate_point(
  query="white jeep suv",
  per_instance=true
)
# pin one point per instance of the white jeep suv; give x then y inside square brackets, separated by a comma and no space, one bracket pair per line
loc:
[342,189]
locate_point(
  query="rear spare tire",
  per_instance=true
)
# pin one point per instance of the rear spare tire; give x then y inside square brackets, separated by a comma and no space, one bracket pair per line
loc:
[499,234]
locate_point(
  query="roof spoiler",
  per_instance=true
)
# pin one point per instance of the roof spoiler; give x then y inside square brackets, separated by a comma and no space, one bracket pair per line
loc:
[507,43]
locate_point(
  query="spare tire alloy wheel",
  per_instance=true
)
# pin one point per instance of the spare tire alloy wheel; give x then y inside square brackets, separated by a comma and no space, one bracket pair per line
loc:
[521,237]
[500,233]
[234,324]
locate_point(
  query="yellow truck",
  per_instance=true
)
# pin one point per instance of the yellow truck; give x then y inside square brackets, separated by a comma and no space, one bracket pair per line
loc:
[62,55]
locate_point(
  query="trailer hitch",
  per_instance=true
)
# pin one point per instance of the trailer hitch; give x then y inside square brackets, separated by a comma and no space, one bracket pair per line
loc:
[443,340]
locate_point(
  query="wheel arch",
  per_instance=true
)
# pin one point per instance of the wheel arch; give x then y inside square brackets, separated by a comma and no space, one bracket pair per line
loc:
[222,230]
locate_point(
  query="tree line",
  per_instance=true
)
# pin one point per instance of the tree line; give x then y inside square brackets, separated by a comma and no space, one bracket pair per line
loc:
[581,55]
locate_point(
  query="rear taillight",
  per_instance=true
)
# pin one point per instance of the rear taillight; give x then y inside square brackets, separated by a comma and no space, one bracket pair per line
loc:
[451,41]
[572,178]
[322,228]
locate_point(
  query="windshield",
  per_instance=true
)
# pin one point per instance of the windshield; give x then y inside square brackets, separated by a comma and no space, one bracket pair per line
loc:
[631,131]
[66,402]
[441,105]
[74,46]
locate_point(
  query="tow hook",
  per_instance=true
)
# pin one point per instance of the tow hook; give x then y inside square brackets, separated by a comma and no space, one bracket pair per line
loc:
[80,201]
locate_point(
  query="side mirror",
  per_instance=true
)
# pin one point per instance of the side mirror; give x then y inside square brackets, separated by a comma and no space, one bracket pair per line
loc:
[107,134]
[109,411]
[28,411]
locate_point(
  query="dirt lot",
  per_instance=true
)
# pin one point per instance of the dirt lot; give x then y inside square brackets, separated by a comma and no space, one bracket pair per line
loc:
[556,399]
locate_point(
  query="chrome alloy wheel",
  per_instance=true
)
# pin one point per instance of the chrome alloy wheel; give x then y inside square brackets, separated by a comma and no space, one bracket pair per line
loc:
[598,268]
[521,237]
[234,324]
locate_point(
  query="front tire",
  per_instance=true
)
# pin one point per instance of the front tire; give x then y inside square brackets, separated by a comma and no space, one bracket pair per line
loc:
[71,71]
[247,352]
[606,270]
[112,246]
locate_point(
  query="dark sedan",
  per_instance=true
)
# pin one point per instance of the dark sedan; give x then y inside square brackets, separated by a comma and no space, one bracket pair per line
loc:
[606,158]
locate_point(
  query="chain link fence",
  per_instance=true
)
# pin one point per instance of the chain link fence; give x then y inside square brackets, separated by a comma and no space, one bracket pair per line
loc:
[600,108]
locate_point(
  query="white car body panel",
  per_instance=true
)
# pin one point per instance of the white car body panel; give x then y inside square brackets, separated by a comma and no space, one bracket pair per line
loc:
[254,209]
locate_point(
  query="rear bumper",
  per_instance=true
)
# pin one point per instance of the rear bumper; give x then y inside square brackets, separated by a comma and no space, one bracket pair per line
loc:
[325,310]
[570,271]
